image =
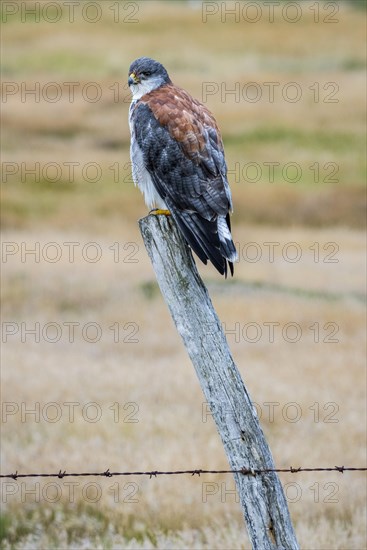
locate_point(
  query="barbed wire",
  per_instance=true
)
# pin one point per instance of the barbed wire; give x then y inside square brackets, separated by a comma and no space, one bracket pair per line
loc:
[155,473]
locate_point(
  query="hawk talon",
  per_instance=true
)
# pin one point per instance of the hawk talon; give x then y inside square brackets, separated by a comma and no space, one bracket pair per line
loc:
[160,211]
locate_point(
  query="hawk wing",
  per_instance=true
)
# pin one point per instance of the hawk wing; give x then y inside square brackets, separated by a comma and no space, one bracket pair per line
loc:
[183,152]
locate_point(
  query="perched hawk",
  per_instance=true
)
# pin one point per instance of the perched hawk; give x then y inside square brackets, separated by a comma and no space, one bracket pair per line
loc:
[178,162]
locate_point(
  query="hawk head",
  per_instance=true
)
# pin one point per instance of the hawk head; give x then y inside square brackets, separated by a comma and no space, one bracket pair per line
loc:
[146,75]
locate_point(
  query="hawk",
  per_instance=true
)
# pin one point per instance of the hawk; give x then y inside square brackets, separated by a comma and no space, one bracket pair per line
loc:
[178,162]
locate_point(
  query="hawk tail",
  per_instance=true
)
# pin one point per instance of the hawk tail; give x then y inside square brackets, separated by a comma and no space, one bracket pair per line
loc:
[207,239]
[226,243]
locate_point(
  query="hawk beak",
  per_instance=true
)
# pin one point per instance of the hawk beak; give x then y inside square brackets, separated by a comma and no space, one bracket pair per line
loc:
[133,79]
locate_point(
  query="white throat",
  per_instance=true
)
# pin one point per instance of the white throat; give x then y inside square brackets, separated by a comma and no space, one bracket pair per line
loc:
[144,87]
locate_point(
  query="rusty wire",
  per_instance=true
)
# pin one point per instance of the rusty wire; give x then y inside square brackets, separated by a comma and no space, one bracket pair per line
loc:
[155,473]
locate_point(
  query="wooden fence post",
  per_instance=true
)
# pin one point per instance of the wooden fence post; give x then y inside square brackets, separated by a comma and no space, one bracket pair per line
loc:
[262,498]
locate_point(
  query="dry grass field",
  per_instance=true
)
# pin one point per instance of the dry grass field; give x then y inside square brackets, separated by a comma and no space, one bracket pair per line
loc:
[88,344]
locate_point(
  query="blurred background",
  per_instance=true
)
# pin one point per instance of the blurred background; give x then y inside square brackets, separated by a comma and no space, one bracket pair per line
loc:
[94,374]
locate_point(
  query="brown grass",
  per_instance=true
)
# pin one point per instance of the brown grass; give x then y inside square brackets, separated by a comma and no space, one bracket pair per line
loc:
[326,380]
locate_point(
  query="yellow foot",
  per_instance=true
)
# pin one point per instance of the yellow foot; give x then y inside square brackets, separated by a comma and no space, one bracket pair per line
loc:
[158,211]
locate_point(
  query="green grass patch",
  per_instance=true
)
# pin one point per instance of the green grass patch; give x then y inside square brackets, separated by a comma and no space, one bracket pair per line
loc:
[67,61]
[234,285]
[313,140]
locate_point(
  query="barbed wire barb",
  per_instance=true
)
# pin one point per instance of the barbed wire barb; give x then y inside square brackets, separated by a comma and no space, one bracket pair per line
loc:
[155,473]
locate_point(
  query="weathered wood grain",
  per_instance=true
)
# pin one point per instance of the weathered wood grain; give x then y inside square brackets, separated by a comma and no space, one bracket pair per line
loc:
[262,498]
